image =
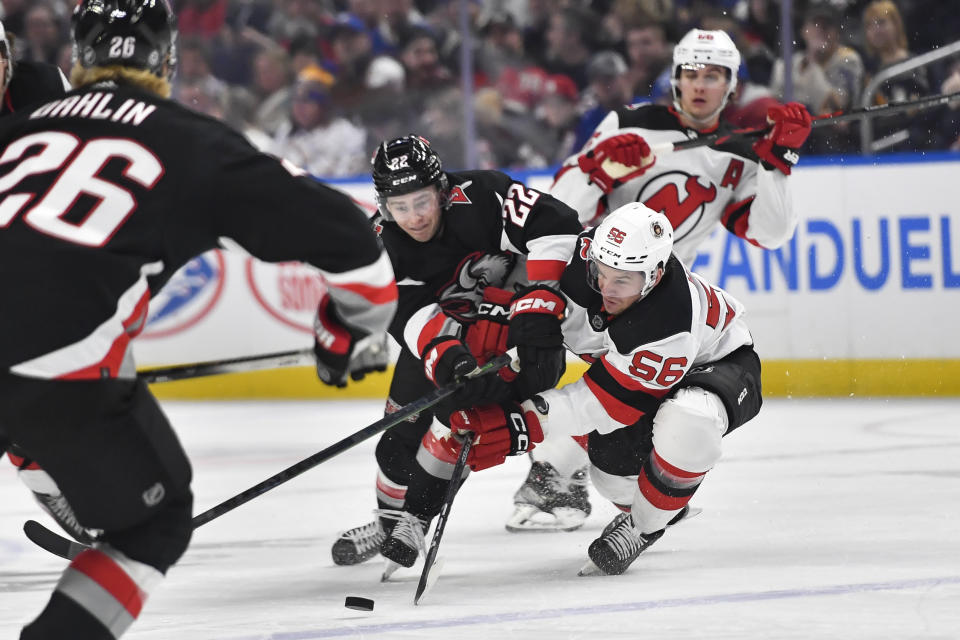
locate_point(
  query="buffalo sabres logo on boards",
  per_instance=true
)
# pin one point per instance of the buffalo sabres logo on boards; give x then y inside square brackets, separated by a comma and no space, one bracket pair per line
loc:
[460,297]
[188,297]
[289,291]
[680,196]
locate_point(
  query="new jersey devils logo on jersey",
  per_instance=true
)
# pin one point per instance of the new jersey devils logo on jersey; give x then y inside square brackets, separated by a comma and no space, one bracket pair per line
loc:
[680,196]
[460,297]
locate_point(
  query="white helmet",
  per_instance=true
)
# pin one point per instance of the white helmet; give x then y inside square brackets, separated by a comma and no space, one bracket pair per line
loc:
[699,48]
[632,238]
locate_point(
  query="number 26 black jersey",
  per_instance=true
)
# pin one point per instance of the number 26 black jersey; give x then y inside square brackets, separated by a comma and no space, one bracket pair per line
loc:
[107,191]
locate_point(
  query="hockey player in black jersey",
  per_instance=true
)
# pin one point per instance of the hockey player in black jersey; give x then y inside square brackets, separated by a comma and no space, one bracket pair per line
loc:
[742,186]
[464,247]
[26,82]
[673,371]
[106,192]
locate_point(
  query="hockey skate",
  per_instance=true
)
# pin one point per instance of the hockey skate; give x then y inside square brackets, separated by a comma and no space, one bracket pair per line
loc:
[404,543]
[621,543]
[359,544]
[546,503]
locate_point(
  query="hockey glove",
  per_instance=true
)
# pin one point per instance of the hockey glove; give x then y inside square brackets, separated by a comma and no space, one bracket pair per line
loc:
[447,360]
[498,431]
[335,348]
[791,127]
[487,336]
[617,159]
[535,316]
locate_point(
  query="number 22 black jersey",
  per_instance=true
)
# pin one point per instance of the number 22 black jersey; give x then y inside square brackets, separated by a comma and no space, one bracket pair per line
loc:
[107,191]
[490,224]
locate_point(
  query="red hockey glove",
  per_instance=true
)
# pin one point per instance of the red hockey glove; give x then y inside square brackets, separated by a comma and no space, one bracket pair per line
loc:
[626,155]
[487,336]
[791,127]
[447,360]
[535,316]
[335,347]
[508,429]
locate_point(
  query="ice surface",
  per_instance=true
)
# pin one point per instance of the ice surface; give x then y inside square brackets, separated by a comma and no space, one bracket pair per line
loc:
[825,519]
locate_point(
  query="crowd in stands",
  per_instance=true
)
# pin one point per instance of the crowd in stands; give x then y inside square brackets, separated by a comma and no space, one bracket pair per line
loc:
[322,82]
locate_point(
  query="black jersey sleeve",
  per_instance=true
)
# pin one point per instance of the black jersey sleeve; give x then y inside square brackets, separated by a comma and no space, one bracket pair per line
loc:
[535,224]
[31,83]
[278,213]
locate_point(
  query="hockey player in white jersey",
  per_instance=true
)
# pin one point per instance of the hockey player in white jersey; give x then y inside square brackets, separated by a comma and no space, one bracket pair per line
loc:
[673,371]
[744,187]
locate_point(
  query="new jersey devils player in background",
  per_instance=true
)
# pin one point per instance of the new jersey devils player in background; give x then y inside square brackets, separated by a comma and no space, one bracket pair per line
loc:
[744,187]
[477,257]
[106,192]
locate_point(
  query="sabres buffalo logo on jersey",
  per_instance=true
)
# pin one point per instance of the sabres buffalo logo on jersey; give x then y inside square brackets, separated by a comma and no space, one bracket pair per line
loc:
[460,297]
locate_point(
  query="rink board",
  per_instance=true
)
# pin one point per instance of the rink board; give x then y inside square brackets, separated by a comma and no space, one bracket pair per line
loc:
[863,300]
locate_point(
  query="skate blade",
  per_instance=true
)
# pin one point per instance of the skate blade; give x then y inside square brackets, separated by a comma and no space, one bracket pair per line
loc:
[590,569]
[528,518]
[389,568]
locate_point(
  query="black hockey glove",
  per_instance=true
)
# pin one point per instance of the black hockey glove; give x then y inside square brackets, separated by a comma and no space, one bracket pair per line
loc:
[535,316]
[341,349]
[446,360]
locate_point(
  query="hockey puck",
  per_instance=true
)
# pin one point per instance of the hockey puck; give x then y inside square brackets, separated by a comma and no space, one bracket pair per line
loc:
[358,603]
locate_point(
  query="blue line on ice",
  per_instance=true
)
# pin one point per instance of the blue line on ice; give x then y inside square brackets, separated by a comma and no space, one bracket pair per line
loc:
[541,614]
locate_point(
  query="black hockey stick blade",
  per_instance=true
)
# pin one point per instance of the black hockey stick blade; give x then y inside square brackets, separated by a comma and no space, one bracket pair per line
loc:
[430,573]
[60,546]
[52,542]
[295,358]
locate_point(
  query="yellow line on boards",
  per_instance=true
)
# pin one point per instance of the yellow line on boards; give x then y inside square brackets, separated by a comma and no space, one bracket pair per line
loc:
[781,378]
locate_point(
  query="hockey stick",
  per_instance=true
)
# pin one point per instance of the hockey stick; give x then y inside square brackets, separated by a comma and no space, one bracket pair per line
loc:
[426,583]
[230,365]
[818,121]
[69,549]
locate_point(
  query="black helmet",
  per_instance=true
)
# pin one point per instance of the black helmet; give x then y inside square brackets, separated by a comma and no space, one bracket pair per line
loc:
[140,34]
[404,165]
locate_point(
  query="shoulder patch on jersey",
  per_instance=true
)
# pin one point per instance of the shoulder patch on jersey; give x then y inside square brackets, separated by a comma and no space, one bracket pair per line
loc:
[457,195]
[666,312]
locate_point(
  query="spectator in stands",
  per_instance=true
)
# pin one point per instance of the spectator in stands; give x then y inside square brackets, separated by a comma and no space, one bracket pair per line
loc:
[201,18]
[293,19]
[43,34]
[609,88]
[305,52]
[827,77]
[949,126]
[885,40]
[313,138]
[558,111]
[501,45]
[271,89]
[421,62]
[193,66]
[396,19]
[648,54]
[368,86]
[569,43]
